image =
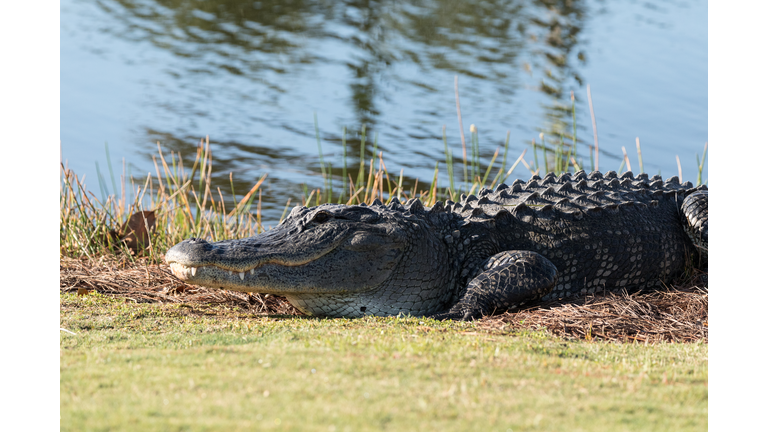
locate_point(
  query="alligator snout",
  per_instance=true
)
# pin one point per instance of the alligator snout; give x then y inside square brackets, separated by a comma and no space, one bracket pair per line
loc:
[189,250]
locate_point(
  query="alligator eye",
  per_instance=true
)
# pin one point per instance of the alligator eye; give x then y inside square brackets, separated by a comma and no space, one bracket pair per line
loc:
[320,217]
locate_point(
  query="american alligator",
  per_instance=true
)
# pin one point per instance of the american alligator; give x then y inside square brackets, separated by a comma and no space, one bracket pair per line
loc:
[554,237]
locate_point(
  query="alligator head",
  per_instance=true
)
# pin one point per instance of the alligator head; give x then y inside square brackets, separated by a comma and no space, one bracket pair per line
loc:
[326,249]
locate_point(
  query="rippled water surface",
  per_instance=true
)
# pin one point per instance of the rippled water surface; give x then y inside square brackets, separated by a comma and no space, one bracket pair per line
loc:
[251,75]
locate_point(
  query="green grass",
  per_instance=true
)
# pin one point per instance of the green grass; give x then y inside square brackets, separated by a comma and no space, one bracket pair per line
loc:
[171,367]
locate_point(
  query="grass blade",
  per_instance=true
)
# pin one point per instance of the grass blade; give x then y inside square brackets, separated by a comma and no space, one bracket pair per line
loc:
[596,166]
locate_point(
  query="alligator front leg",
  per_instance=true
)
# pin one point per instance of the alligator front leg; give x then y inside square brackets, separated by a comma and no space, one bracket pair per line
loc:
[508,280]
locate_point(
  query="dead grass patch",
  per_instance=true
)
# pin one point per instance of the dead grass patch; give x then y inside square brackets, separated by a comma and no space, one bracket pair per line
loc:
[676,314]
[143,283]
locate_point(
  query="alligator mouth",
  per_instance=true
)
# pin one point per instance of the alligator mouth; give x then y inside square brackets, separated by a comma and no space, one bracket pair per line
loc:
[184,272]
[188,272]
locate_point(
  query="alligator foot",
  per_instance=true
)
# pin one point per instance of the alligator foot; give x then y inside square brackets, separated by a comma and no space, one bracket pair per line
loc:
[508,280]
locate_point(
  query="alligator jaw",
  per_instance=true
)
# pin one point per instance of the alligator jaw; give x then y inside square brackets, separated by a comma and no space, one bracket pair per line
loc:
[257,278]
[189,273]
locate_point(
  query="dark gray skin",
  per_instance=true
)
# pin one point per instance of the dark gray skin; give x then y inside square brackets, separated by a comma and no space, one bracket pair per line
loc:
[550,238]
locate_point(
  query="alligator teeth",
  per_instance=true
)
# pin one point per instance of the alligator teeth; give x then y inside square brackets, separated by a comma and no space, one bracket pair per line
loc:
[183,272]
[252,270]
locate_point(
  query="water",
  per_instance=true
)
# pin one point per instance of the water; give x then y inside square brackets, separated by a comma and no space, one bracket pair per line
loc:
[252,75]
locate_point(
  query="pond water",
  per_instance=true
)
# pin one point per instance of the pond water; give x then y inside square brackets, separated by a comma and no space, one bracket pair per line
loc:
[252,75]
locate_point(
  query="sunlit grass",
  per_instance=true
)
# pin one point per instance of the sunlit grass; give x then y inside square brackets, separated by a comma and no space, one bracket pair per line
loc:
[208,367]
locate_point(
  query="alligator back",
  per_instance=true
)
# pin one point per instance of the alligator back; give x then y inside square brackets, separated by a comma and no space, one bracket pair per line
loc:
[601,232]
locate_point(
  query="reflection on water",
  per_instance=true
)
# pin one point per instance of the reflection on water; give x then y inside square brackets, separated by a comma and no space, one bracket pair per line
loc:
[251,75]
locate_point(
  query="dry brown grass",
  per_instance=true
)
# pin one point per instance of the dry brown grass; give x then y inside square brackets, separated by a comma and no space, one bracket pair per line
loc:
[677,314]
[143,283]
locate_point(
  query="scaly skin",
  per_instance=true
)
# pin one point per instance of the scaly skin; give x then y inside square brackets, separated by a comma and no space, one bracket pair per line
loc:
[556,237]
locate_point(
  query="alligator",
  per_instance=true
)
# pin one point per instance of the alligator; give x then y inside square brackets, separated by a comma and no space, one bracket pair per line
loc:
[556,237]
